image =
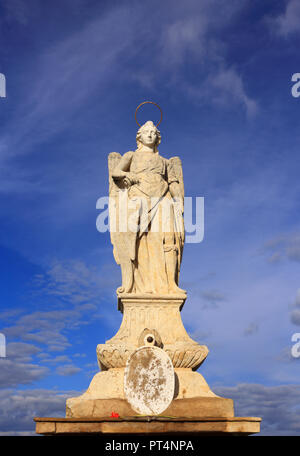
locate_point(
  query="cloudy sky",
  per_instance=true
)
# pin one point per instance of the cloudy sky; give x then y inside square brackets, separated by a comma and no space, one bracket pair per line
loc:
[221,71]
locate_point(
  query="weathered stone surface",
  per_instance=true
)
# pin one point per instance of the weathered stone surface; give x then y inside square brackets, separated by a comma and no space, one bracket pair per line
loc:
[104,386]
[189,384]
[94,408]
[201,426]
[110,385]
[200,407]
[45,427]
[149,380]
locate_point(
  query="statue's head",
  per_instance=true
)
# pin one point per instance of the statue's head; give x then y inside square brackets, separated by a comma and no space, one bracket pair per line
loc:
[148,135]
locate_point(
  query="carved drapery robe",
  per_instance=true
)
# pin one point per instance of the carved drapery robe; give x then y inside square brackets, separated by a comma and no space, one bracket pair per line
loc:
[150,249]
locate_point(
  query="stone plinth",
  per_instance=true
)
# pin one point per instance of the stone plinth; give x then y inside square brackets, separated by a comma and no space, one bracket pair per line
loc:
[149,425]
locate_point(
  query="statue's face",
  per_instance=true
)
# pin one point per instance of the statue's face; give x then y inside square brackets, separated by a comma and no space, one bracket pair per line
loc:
[148,135]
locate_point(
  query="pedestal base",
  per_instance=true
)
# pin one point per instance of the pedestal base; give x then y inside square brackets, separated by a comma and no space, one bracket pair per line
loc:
[192,397]
[148,425]
[195,409]
[198,407]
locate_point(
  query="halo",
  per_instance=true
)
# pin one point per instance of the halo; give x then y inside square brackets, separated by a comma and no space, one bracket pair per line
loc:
[151,102]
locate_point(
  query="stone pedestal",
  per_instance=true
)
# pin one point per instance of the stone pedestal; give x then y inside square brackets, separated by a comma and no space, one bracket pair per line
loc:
[193,401]
[159,315]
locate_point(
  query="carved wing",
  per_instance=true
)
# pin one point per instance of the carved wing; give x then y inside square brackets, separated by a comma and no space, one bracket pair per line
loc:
[176,164]
[123,242]
[113,160]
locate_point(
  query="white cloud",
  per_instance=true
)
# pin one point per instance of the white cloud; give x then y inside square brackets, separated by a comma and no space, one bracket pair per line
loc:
[16,372]
[183,39]
[58,359]
[21,351]
[75,282]
[223,86]
[19,407]
[74,291]
[212,298]
[284,246]
[278,406]
[194,39]
[67,370]
[289,22]
[227,85]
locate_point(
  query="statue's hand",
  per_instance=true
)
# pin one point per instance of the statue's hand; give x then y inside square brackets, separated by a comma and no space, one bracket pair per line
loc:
[130,179]
[126,182]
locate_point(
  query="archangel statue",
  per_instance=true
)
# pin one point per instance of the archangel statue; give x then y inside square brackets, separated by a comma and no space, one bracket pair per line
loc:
[146,216]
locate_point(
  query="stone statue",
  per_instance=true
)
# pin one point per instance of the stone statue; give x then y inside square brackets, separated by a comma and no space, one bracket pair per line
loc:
[149,366]
[146,216]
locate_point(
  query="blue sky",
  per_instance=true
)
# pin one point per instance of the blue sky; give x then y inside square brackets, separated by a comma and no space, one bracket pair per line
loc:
[221,71]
